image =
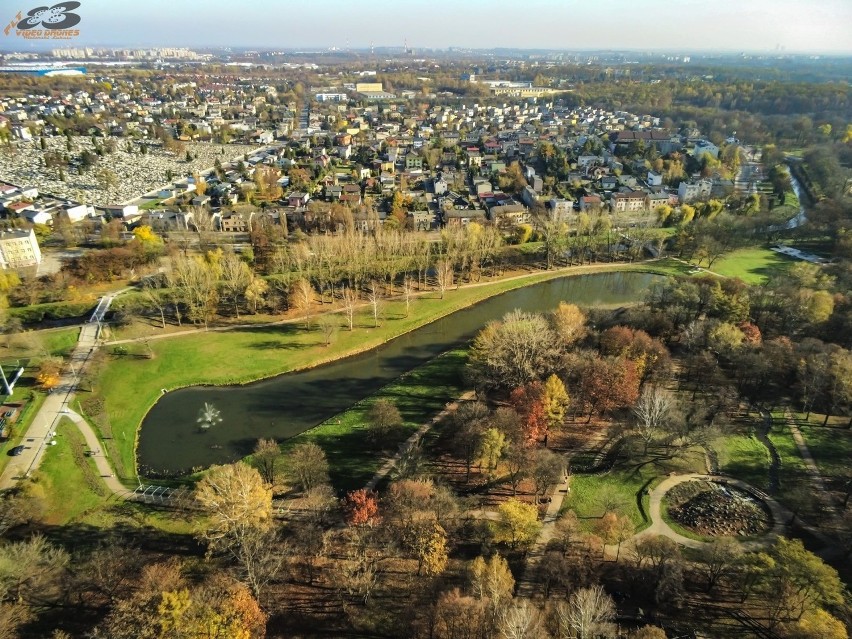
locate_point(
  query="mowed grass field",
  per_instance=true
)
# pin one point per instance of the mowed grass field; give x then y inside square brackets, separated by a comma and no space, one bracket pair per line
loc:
[752,265]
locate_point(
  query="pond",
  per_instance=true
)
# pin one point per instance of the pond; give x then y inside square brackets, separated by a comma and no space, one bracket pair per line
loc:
[171,440]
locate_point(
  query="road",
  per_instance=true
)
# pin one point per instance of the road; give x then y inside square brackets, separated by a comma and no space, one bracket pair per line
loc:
[43,426]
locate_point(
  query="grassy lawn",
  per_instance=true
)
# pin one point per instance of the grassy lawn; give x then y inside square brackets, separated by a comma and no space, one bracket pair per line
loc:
[75,495]
[419,396]
[57,342]
[72,486]
[128,386]
[745,458]
[791,460]
[752,265]
[623,488]
[830,446]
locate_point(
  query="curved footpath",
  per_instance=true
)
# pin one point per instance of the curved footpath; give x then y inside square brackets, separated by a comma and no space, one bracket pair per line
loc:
[660,527]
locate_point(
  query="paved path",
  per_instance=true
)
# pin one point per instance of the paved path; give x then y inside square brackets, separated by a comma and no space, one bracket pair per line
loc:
[528,583]
[414,438]
[105,470]
[780,515]
[56,405]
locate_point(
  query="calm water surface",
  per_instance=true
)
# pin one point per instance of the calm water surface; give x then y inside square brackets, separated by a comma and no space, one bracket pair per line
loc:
[286,405]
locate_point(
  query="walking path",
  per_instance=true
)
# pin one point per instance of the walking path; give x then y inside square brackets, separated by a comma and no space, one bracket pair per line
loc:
[560,272]
[409,443]
[528,583]
[98,454]
[43,426]
[660,527]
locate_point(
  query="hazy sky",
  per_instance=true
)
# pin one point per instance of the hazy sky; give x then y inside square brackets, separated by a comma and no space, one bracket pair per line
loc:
[686,25]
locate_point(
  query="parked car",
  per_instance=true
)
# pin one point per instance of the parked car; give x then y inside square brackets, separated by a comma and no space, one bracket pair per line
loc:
[17,450]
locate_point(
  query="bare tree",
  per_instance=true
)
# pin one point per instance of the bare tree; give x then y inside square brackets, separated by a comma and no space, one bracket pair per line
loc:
[651,412]
[587,614]
[350,302]
[265,458]
[236,277]
[153,297]
[328,324]
[302,298]
[307,465]
[444,275]
[260,557]
[519,620]
[373,297]
[406,293]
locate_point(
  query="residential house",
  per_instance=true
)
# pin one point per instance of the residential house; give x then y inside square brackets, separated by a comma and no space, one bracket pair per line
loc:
[462,217]
[655,179]
[628,202]
[590,203]
[689,191]
[236,222]
[413,161]
[421,220]
[297,199]
[509,215]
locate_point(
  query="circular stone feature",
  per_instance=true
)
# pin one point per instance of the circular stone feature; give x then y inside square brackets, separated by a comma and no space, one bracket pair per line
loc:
[714,509]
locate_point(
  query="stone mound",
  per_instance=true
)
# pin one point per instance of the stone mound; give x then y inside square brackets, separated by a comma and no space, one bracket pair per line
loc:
[716,510]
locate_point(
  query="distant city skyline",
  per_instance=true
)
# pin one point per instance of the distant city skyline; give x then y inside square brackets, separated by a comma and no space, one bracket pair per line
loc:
[821,26]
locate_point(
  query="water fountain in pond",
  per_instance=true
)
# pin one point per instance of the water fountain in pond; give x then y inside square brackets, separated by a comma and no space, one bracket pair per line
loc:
[208,416]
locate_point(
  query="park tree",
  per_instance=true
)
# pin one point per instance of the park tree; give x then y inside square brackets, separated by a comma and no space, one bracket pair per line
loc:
[719,559]
[237,502]
[517,523]
[569,323]
[514,351]
[605,384]
[491,579]
[361,508]
[817,624]
[30,572]
[651,412]
[255,292]
[801,581]
[456,616]
[195,284]
[649,632]
[301,298]
[49,372]
[615,529]
[547,469]
[492,445]
[266,459]
[556,401]
[469,425]
[588,614]
[236,277]
[383,419]
[529,402]
[427,541]
[307,466]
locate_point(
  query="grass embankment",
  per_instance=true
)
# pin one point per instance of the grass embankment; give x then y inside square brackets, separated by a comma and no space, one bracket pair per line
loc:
[753,265]
[128,386]
[420,395]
